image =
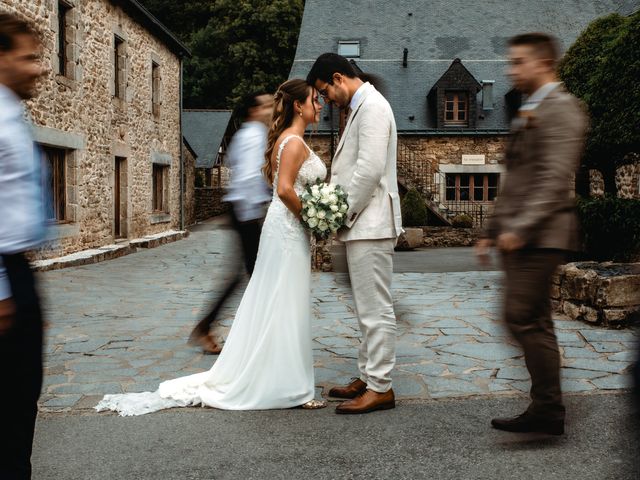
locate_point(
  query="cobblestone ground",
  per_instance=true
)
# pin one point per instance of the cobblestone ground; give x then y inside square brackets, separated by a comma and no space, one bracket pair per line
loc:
[121,326]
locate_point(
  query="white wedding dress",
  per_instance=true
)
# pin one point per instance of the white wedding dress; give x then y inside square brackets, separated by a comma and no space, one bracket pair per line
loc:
[267,360]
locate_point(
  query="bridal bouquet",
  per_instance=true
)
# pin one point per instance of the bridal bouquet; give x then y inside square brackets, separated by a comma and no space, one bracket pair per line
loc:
[324,208]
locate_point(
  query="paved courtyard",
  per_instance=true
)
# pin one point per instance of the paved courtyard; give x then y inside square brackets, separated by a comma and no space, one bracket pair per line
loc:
[121,326]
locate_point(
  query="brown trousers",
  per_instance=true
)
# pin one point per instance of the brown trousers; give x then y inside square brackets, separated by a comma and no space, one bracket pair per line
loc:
[527,312]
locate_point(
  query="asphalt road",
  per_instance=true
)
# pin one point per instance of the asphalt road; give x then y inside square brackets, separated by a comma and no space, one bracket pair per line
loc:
[431,440]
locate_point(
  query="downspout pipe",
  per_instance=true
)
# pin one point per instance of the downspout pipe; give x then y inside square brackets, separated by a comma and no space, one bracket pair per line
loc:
[181,58]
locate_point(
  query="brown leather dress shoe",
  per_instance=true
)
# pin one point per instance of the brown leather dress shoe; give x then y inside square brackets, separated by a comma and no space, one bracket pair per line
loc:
[352,390]
[369,401]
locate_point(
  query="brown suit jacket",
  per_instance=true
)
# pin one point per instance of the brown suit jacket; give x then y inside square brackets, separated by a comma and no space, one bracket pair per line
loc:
[536,199]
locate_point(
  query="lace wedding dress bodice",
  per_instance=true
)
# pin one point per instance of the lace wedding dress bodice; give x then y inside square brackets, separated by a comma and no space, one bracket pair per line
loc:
[267,359]
[280,220]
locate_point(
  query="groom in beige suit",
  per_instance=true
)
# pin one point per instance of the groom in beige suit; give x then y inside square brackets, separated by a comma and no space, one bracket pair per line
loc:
[365,165]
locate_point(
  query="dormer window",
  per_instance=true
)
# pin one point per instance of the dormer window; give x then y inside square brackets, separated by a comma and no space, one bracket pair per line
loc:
[349,48]
[452,99]
[456,109]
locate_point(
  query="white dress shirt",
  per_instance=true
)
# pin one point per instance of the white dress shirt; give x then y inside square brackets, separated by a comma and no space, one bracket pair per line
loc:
[533,100]
[357,95]
[248,190]
[21,205]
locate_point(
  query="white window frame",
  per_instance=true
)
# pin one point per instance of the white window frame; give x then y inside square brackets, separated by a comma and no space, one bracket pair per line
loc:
[342,44]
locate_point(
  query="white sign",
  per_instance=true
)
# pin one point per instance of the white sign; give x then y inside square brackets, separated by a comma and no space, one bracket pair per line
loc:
[473,160]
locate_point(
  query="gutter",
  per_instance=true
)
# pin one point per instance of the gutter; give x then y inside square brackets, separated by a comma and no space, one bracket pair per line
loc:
[438,133]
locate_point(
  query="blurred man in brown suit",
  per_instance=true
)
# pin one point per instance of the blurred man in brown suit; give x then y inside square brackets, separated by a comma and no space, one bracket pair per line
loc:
[534,224]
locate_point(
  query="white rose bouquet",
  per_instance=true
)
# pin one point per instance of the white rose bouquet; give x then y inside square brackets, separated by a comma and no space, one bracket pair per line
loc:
[324,208]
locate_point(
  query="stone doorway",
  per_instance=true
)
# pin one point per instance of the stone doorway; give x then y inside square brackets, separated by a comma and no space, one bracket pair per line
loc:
[120,198]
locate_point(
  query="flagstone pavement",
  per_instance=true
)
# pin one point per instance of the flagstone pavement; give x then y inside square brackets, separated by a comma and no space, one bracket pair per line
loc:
[121,326]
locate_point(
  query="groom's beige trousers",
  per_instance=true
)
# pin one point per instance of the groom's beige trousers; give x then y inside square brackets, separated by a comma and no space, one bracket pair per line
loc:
[370,270]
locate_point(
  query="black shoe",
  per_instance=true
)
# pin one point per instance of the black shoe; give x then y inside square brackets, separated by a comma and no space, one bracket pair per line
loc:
[528,422]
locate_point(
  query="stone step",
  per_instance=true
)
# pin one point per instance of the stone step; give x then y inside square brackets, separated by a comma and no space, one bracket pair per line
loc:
[108,252]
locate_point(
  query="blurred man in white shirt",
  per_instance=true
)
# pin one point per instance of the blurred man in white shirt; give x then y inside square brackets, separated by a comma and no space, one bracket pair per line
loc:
[248,195]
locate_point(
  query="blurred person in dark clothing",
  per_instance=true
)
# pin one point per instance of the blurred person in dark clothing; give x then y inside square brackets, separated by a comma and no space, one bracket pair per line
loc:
[248,195]
[21,229]
[535,224]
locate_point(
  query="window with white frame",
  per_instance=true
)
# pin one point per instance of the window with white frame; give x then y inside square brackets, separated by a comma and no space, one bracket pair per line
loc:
[349,48]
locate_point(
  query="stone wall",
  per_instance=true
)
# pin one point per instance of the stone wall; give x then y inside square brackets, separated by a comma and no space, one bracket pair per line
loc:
[208,203]
[627,180]
[598,293]
[434,150]
[189,186]
[449,150]
[436,237]
[596,183]
[321,255]
[79,112]
[423,162]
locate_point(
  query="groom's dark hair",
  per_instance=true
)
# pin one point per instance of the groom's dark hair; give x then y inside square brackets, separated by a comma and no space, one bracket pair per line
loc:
[326,65]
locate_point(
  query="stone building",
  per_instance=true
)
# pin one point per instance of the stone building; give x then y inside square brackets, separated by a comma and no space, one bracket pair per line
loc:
[208,132]
[442,67]
[108,121]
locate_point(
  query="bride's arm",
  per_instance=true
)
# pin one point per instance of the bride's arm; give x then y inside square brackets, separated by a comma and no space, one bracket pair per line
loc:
[291,160]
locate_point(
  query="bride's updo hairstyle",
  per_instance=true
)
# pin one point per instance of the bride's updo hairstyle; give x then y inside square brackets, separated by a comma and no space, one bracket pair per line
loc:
[283,114]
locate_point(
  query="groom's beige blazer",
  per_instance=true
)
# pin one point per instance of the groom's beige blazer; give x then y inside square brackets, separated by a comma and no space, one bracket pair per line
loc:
[365,166]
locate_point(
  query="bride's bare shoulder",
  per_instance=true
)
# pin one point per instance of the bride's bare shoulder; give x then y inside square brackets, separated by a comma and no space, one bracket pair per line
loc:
[295,146]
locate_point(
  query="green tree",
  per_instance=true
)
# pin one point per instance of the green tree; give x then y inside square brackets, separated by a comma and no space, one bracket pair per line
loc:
[602,68]
[182,18]
[414,210]
[238,46]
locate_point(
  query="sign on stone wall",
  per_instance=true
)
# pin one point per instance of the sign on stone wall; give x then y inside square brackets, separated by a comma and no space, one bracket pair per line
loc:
[473,160]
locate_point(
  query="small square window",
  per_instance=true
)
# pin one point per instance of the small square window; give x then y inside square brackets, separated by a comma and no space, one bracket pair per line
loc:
[63,37]
[350,49]
[155,88]
[119,66]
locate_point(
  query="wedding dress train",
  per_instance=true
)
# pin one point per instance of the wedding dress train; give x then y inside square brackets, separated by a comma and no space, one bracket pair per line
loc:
[267,360]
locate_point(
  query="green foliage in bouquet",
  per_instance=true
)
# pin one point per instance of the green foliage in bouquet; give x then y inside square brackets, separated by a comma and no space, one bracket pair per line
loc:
[414,210]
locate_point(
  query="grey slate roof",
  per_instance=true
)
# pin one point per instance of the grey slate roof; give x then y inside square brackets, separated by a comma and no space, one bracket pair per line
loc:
[204,131]
[435,33]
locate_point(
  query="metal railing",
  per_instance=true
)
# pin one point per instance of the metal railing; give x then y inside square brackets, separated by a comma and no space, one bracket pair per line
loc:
[430,182]
[475,210]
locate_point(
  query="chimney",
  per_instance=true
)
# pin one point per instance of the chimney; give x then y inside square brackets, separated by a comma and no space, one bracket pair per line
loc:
[405,54]
[487,94]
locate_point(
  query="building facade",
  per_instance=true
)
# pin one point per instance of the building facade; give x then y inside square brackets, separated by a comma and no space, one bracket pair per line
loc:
[207,132]
[442,66]
[108,121]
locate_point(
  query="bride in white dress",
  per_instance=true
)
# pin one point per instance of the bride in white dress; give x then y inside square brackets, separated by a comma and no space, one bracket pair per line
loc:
[267,360]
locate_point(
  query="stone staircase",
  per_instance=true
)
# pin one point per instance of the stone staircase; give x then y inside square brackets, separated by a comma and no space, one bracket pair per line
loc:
[421,174]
